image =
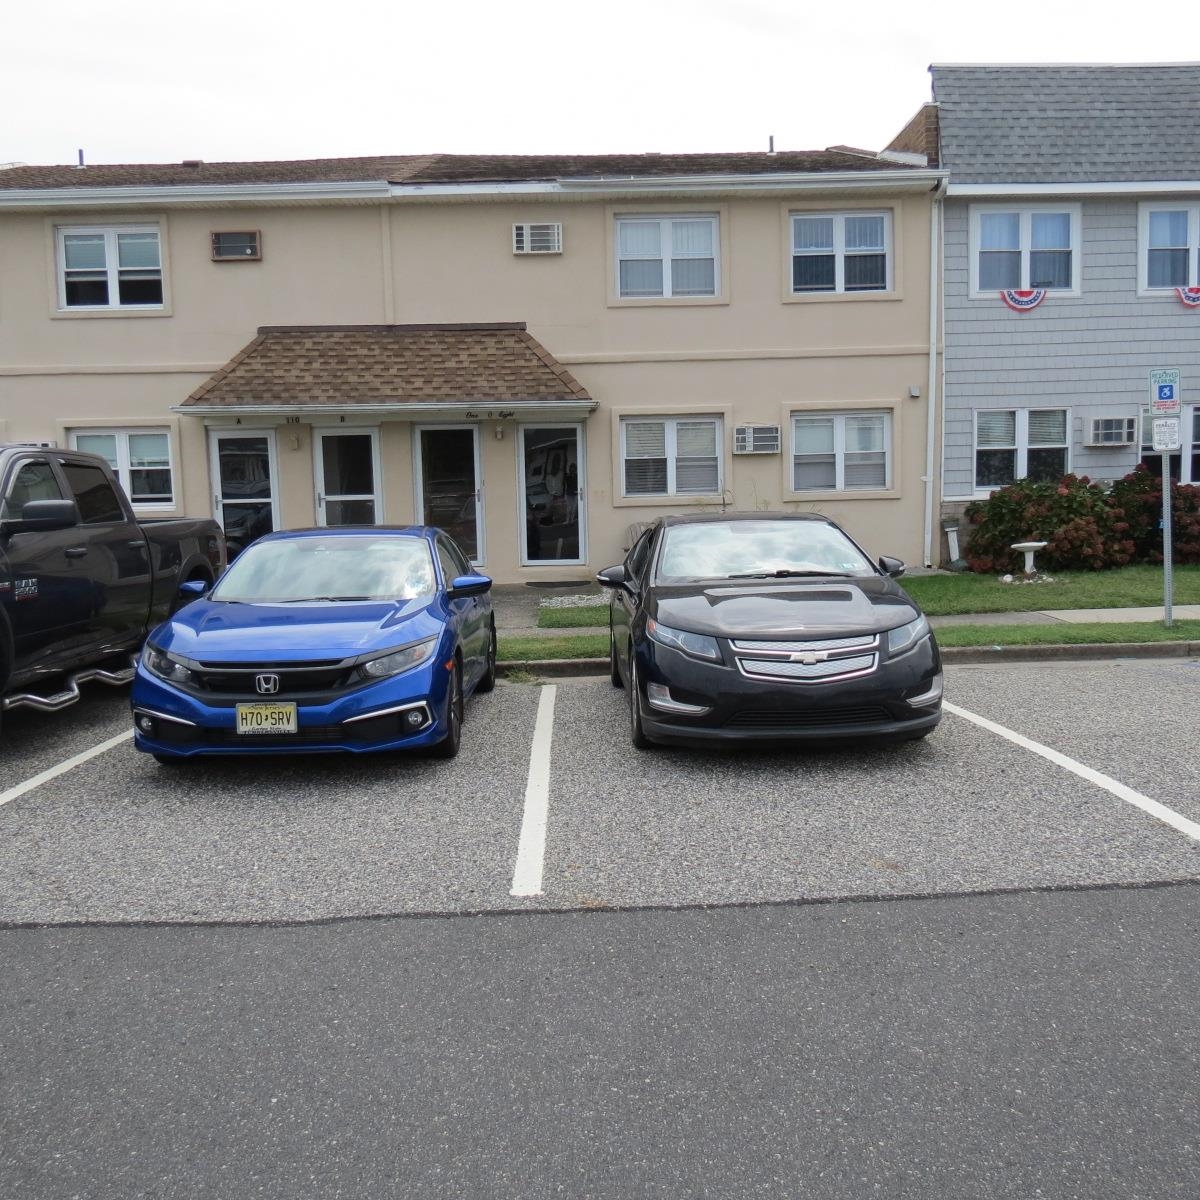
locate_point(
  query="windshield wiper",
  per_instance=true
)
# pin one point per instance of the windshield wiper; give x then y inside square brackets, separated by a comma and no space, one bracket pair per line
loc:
[786,574]
[331,599]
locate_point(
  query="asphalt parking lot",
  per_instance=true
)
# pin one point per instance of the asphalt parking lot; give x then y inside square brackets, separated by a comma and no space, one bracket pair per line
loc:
[117,838]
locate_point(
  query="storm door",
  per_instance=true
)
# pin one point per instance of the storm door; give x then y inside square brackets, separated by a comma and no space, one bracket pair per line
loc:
[552,494]
[448,493]
[347,474]
[242,468]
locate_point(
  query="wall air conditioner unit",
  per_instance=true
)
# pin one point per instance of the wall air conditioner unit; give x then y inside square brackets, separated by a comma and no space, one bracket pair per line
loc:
[1112,431]
[545,238]
[756,439]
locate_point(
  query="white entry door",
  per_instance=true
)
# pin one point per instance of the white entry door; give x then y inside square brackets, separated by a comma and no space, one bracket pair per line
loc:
[347,477]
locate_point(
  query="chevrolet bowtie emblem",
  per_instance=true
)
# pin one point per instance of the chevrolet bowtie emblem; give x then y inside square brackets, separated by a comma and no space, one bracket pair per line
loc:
[809,658]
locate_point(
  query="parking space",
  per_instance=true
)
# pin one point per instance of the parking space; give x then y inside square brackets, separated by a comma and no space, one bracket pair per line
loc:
[119,838]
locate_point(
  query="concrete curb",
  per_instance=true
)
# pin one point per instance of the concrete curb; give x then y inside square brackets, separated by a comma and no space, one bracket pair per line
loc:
[567,668]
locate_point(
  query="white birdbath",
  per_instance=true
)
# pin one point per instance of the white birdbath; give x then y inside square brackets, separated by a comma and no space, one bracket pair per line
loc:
[1029,549]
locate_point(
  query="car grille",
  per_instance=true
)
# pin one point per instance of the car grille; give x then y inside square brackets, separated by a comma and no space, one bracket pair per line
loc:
[237,679]
[817,718]
[828,659]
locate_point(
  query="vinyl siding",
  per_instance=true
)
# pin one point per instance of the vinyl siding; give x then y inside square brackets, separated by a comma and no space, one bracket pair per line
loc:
[1089,353]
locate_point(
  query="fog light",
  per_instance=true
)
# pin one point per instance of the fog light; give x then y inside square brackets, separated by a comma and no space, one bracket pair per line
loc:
[145,723]
[660,697]
[415,718]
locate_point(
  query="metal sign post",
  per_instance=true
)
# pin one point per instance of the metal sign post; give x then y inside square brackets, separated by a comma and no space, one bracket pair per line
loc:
[1166,407]
[1166,439]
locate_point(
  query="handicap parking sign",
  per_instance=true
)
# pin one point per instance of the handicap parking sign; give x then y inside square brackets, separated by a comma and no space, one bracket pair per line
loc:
[1165,392]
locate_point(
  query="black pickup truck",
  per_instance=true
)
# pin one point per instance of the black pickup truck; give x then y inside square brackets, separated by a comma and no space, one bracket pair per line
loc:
[82,581]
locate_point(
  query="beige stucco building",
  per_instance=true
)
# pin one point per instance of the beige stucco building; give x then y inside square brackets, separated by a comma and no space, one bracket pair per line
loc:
[536,353]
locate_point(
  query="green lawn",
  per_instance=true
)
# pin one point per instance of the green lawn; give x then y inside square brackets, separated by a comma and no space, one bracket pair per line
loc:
[523,649]
[945,595]
[572,618]
[1127,587]
[1066,635]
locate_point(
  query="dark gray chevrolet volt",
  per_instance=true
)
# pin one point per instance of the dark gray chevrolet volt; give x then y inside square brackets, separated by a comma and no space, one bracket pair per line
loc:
[767,627]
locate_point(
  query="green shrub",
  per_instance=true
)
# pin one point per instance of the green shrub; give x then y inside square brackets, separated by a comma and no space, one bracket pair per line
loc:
[1139,497]
[1073,516]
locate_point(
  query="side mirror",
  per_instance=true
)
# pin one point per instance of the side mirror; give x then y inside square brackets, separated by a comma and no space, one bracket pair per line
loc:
[611,576]
[193,589]
[469,585]
[891,566]
[43,515]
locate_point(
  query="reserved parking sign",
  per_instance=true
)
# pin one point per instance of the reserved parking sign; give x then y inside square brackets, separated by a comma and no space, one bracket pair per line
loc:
[1165,398]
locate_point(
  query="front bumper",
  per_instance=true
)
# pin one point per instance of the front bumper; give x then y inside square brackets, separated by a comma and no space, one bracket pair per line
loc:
[877,705]
[177,724]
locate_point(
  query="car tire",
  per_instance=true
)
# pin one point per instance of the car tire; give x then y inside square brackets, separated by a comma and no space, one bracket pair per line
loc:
[637,734]
[487,680]
[448,746]
[614,667]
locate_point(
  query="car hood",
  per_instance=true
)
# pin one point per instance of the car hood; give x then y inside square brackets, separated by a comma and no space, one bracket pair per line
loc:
[784,608]
[214,631]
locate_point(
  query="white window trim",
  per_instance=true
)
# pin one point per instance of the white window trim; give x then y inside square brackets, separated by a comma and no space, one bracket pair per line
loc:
[1026,211]
[1022,446]
[839,416]
[839,252]
[111,266]
[664,221]
[1144,211]
[1190,445]
[671,423]
[121,433]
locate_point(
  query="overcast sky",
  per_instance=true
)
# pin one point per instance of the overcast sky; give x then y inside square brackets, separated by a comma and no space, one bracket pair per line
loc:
[161,81]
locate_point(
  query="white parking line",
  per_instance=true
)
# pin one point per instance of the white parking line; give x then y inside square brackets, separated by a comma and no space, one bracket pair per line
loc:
[1159,811]
[68,764]
[531,851]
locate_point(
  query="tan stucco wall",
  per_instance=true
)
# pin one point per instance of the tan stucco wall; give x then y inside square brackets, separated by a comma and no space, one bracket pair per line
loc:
[755,354]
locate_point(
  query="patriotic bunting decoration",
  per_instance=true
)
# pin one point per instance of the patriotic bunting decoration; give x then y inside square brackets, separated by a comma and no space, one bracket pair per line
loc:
[1023,299]
[1189,296]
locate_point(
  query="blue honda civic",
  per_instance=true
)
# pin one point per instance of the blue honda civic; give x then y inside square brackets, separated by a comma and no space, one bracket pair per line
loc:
[353,639]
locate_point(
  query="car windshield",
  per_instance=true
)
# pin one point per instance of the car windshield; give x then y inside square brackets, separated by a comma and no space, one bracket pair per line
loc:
[329,568]
[758,550]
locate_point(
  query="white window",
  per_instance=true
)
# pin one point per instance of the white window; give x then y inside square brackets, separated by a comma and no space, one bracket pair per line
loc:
[841,252]
[1020,443]
[140,458]
[117,267]
[1169,236]
[1025,248]
[671,456]
[1184,464]
[844,452]
[667,257]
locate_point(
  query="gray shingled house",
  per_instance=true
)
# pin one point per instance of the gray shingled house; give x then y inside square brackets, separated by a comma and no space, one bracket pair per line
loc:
[1071,248]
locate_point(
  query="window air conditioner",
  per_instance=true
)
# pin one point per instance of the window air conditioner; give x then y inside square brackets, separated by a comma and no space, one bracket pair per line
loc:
[1112,431]
[756,439]
[545,238]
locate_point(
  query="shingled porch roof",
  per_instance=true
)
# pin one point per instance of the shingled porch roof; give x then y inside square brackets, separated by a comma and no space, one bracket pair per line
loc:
[494,370]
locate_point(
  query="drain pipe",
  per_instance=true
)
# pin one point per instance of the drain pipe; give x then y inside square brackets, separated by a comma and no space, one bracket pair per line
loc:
[931,389]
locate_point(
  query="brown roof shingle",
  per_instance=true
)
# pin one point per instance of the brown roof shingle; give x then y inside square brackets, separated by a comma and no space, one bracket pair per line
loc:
[392,365]
[444,168]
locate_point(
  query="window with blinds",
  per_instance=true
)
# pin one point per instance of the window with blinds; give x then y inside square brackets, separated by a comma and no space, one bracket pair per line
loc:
[670,456]
[666,257]
[840,252]
[1025,248]
[1021,443]
[844,452]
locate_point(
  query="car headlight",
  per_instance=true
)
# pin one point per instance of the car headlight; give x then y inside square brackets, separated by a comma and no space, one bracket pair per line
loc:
[165,666]
[388,665]
[904,639]
[698,645]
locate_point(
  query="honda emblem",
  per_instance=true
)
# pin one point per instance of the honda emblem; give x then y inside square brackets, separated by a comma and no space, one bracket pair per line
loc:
[266,685]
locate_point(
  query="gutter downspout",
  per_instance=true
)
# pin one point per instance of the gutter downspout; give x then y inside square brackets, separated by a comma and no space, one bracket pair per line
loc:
[931,384]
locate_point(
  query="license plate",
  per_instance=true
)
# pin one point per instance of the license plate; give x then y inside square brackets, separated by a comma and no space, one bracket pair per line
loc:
[266,718]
